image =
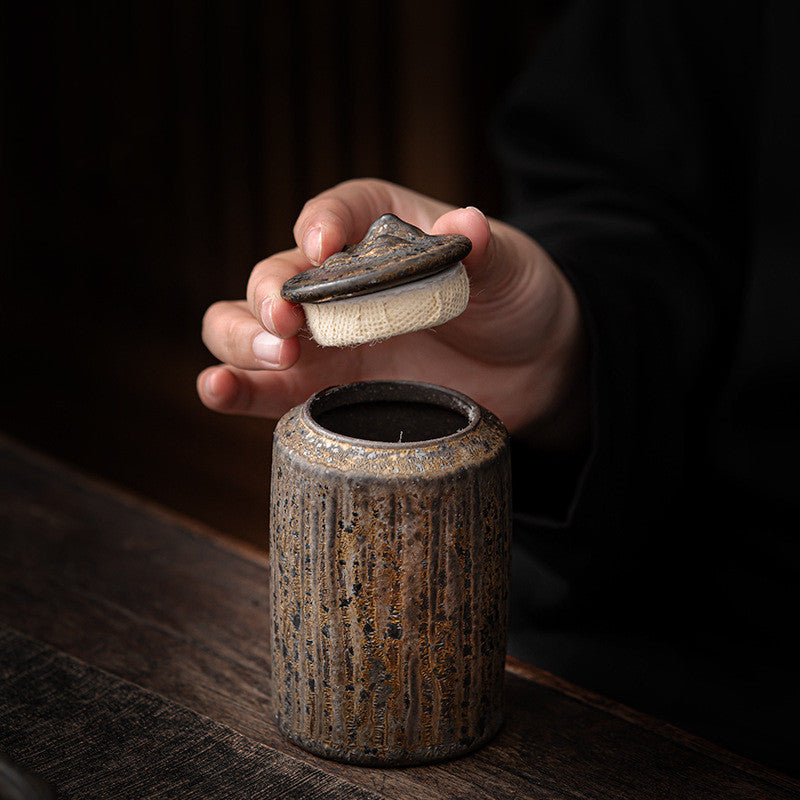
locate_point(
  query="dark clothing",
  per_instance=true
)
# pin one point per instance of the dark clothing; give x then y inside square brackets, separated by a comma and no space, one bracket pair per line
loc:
[652,150]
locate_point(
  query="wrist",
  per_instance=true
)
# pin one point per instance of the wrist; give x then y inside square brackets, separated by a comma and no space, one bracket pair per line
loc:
[562,422]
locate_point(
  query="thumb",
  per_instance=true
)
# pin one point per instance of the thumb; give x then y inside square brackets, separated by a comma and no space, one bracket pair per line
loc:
[501,257]
[471,222]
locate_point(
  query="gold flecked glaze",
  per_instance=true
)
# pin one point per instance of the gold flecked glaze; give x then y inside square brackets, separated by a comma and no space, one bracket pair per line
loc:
[390,588]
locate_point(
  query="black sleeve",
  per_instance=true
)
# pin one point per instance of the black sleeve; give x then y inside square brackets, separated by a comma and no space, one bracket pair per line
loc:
[627,149]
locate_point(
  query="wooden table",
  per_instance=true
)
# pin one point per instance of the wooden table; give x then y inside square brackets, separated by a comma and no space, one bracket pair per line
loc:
[134,663]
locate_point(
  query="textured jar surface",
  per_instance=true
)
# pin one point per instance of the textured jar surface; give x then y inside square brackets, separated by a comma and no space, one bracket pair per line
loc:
[390,584]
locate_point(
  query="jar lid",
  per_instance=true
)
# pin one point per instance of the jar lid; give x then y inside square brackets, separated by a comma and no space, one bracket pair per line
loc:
[392,253]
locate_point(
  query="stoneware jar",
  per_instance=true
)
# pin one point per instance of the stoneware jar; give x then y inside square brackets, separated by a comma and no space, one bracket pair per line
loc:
[389,553]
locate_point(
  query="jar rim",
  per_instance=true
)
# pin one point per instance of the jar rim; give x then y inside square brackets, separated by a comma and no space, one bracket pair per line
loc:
[390,391]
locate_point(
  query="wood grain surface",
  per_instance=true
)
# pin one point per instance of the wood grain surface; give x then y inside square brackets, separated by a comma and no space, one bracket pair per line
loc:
[153,610]
[110,738]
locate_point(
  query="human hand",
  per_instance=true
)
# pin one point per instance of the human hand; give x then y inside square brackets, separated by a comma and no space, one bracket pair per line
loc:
[518,349]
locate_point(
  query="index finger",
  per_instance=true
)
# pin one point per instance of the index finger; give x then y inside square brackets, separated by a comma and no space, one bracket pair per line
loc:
[275,314]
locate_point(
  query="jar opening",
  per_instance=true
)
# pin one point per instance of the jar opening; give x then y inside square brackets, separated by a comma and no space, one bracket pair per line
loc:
[392,411]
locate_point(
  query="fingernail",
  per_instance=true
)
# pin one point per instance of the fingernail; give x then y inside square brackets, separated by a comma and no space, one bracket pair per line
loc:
[312,246]
[266,315]
[473,208]
[207,385]
[267,349]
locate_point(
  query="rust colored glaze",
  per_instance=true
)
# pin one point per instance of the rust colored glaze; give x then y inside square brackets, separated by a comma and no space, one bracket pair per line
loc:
[390,559]
[392,253]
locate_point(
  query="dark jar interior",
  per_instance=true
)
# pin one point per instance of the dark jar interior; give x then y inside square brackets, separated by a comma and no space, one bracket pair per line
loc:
[392,412]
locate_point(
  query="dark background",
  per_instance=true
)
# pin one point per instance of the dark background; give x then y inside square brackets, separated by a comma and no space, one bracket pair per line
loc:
[151,155]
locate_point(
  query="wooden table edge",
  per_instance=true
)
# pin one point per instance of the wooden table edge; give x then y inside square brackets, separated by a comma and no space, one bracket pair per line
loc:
[131,498]
[652,724]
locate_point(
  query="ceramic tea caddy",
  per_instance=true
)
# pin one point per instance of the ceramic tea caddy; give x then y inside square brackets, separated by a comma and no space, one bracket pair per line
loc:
[389,551]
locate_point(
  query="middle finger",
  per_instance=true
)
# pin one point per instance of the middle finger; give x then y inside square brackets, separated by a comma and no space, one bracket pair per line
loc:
[234,336]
